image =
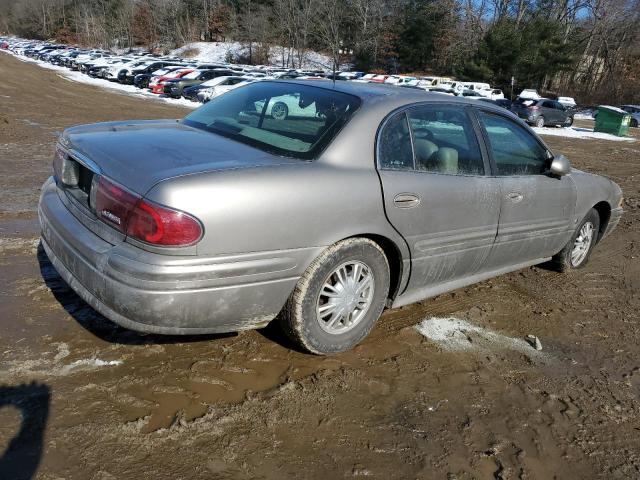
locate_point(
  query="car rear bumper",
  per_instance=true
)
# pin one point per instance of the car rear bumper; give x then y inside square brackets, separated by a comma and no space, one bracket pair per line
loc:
[166,294]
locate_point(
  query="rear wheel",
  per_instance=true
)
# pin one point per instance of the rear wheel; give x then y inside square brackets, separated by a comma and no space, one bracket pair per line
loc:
[634,123]
[338,299]
[577,251]
[540,121]
[568,122]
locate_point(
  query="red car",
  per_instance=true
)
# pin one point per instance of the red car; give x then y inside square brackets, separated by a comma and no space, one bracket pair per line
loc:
[379,79]
[158,84]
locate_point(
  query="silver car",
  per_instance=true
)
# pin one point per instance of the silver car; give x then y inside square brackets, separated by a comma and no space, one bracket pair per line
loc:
[231,217]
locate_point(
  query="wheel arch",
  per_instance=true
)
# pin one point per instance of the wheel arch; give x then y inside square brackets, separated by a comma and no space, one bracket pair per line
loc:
[394,258]
[604,213]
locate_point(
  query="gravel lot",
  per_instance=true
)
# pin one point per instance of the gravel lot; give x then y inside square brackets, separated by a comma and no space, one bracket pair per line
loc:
[84,399]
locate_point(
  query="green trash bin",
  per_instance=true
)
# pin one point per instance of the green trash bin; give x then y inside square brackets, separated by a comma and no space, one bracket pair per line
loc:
[612,120]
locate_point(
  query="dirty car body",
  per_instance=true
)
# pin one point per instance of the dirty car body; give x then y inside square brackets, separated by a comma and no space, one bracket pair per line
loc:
[433,182]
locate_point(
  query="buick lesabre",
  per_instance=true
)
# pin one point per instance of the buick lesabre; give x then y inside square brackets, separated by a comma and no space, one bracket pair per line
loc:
[357,198]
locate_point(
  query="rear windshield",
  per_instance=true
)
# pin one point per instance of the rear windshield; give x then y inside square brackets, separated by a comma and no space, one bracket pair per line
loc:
[284,118]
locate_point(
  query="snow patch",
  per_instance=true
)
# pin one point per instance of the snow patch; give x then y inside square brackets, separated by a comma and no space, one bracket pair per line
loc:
[454,334]
[223,52]
[613,109]
[89,363]
[579,132]
[16,243]
[584,115]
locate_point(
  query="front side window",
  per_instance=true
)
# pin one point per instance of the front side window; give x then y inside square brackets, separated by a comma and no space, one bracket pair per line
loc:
[444,140]
[515,150]
[283,118]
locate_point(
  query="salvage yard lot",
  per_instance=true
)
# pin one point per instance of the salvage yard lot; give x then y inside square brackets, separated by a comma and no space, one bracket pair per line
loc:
[461,397]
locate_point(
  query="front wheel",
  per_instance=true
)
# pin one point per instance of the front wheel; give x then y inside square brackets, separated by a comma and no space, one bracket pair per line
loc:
[577,251]
[568,122]
[339,298]
[540,122]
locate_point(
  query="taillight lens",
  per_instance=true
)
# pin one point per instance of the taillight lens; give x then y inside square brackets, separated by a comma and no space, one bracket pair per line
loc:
[144,220]
[158,225]
[113,204]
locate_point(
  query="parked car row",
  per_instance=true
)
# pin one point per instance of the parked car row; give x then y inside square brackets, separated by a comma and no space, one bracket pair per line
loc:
[169,76]
[139,68]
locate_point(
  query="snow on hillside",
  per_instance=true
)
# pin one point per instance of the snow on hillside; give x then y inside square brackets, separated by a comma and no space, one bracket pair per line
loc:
[220,52]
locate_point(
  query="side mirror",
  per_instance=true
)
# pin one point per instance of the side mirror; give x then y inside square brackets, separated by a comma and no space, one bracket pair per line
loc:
[560,166]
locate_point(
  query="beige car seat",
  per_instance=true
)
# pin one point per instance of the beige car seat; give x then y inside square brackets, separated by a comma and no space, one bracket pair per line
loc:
[447,160]
[425,152]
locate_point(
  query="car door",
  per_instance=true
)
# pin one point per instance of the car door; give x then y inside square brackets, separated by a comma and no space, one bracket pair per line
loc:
[563,112]
[437,193]
[551,113]
[536,208]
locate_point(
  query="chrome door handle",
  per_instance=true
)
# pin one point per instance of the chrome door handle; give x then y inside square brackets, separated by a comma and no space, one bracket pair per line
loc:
[515,197]
[406,200]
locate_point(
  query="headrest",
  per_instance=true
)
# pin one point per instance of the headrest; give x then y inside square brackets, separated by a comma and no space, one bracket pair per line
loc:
[424,149]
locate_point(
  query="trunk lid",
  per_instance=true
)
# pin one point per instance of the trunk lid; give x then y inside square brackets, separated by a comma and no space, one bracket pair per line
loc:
[140,154]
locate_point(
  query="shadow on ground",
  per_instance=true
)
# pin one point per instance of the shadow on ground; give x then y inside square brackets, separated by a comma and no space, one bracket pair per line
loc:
[22,457]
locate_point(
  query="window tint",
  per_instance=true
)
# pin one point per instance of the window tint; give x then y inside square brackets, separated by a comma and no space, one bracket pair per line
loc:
[548,104]
[444,141]
[284,118]
[515,151]
[394,144]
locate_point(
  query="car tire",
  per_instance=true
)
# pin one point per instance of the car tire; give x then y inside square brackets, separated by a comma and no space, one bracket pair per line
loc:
[279,111]
[577,251]
[634,123]
[540,121]
[568,122]
[330,332]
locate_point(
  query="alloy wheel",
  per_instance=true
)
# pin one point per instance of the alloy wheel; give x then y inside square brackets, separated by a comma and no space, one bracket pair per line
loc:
[582,244]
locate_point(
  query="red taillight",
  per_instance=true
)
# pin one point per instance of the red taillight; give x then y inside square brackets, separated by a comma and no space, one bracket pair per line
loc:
[144,220]
[158,225]
[113,204]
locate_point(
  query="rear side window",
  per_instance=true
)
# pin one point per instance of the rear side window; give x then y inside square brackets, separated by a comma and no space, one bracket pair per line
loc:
[444,140]
[515,151]
[394,144]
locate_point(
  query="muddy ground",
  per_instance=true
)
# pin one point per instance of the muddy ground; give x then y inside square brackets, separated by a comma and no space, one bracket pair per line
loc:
[84,399]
